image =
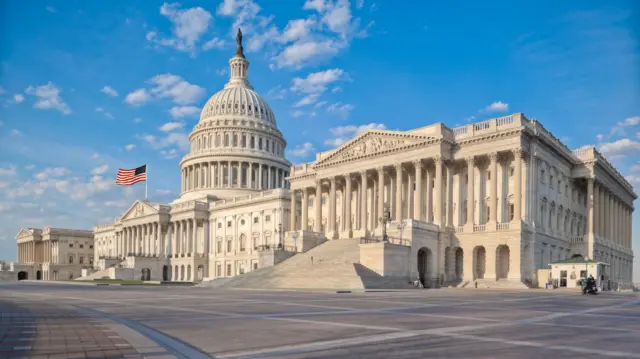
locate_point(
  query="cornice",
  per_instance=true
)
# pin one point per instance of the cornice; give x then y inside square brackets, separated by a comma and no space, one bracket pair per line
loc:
[491,136]
[235,156]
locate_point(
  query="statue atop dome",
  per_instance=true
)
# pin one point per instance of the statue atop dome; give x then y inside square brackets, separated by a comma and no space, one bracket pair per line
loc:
[239,49]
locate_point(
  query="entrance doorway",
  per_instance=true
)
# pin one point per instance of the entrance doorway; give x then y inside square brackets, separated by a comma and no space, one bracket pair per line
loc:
[22,275]
[146,274]
[459,263]
[479,260]
[165,273]
[502,256]
[39,275]
[424,262]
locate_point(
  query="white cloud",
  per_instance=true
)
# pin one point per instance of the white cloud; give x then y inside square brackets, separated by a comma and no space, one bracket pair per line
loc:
[345,133]
[340,109]
[619,128]
[99,109]
[315,84]
[599,137]
[50,172]
[184,111]
[18,98]
[100,169]
[137,120]
[170,154]
[119,203]
[15,133]
[188,26]
[215,43]
[359,4]
[497,106]
[129,147]
[336,89]
[137,97]
[307,100]
[222,71]
[29,167]
[171,126]
[164,192]
[277,93]
[109,91]
[8,171]
[621,146]
[51,9]
[167,85]
[297,113]
[302,53]
[180,140]
[2,90]
[48,98]
[302,150]
[95,156]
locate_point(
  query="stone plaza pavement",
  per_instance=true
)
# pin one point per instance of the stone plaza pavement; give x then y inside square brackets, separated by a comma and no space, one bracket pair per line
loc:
[43,320]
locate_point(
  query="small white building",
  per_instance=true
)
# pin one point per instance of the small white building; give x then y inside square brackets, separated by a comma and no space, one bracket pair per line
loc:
[567,273]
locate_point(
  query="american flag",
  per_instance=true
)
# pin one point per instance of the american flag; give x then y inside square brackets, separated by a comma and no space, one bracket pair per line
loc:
[129,177]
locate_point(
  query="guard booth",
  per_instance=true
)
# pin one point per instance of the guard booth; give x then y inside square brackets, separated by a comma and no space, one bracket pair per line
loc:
[568,273]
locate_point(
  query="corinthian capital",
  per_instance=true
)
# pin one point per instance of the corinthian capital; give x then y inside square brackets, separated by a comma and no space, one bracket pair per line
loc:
[518,152]
[493,156]
[417,163]
[380,169]
[438,160]
[470,160]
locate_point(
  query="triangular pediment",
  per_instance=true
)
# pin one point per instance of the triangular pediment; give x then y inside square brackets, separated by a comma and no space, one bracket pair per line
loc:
[138,209]
[24,232]
[374,142]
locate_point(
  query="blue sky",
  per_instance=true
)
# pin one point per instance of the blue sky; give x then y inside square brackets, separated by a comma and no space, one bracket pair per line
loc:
[87,87]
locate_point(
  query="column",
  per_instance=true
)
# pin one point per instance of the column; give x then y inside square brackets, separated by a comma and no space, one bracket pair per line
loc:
[438,195]
[294,211]
[493,184]
[269,179]
[449,194]
[398,216]
[363,203]
[250,177]
[517,186]
[380,171]
[317,223]
[192,240]
[305,209]
[596,209]
[590,217]
[417,204]
[174,239]
[470,193]
[260,181]
[332,208]
[409,193]
[429,197]
[610,218]
[347,203]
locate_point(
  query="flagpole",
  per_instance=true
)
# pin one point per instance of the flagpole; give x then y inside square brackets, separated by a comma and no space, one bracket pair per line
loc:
[145,183]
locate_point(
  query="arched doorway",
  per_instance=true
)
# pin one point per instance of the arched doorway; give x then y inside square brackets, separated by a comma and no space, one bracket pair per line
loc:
[424,263]
[145,274]
[176,273]
[165,273]
[459,263]
[188,272]
[448,269]
[479,265]
[22,275]
[182,272]
[576,256]
[39,275]
[200,272]
[502,261]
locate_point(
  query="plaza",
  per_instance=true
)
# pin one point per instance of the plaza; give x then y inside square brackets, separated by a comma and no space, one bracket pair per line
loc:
[55,320]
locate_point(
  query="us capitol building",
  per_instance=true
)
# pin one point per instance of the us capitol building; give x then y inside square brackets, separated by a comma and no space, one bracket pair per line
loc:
[490,202]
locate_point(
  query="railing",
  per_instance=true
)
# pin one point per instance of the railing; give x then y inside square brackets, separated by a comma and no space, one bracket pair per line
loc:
[577,240]
[481,126]
[392,240]
[459,229]
[279,246]
[502,121]
[479,227]
[108,257]
[459,131]
[503,226]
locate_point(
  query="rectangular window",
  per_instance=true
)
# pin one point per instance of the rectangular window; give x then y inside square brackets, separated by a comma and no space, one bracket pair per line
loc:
[267,218]
[260,143]
[255,266]
[244,140]
[229,245]
[219,247]
[228,224]
[228,270]
[219,225]
[70,245]
[82,246]
[218,270]
[255,219]
[511,211]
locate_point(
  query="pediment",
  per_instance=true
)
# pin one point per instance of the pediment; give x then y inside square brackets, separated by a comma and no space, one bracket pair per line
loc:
[374,142]
[24,232]
[138,209]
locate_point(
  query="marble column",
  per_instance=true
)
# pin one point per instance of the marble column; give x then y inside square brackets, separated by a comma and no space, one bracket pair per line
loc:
[332,208]
[380,171]
[317,202]
[470,193]
[493,210]
[269,179]
[174,239]
[417,204]
[398,206]
[590,217]
[347,204]
[449,194]
[517,186]
[438,192]
[294,211]
[596,209]
[259,176]
[363,203]
[304,226]
[429,197]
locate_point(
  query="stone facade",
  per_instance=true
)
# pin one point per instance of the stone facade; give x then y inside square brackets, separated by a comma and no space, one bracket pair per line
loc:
[500,199]
[52,253]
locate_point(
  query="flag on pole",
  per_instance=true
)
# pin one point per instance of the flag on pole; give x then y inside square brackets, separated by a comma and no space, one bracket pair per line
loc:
[132,176]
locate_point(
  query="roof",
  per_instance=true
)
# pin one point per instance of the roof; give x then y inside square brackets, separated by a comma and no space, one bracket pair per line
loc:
[576,260]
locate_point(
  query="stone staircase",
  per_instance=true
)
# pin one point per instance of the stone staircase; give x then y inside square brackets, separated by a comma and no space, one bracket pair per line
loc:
[331,265]
[497,284]
[101,273]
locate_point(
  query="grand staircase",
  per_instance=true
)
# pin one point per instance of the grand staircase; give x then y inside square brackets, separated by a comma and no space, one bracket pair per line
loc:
[331,265]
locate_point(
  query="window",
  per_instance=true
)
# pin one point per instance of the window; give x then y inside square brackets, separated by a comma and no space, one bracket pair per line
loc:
[551,181]
[226,140]
[228,270]
[267,218]
[252,142]
[219,225]
[219,246]
[244,140]
[228,224]
[260,143]
[324,201]
[218,270]
[82,245]
[81,260]
[241,269]
[243,243]
[512,211]
[542,176]
[235,140]
[559,189]
[487,213]
[255,266]
[255,220]
[70,259]
[90,260]
[91,246]
[70,245]
[242,222]
[229,245]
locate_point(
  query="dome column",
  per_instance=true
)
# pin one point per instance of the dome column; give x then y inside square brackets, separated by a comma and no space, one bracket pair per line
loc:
[269,182]
[260,176]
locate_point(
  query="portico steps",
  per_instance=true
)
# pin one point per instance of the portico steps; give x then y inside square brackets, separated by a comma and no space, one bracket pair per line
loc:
[335,265]
[496,284]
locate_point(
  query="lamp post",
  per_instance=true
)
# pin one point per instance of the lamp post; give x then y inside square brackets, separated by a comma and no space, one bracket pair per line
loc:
[294,235]
[401,226]
[280,235]
[386,217]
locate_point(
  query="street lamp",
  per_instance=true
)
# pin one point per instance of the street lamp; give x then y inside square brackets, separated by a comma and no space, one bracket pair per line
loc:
[386,217]
[401,226]
[280,235]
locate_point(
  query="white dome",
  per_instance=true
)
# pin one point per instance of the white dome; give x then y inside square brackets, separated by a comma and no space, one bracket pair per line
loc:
[238,101]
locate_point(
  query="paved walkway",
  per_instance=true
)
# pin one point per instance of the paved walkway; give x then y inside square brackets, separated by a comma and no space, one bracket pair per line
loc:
[63,321]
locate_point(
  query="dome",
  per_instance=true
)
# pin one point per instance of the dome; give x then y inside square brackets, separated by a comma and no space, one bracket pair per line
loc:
[238,101]
[236,149]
